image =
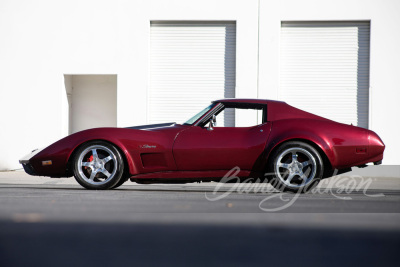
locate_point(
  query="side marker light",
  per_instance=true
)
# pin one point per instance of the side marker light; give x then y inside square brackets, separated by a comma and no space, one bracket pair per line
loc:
[47,163]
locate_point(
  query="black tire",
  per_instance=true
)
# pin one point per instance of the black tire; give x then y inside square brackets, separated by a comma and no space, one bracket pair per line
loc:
[98,165]
[121,182]
[296,167]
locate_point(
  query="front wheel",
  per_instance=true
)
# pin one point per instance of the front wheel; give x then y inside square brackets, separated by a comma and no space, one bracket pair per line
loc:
[296,167]
[98,165]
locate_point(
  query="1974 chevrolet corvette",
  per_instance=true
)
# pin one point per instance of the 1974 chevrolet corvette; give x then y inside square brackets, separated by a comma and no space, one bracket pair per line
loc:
[293,148]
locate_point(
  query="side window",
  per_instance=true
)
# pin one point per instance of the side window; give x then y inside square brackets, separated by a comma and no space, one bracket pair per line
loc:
[239,117]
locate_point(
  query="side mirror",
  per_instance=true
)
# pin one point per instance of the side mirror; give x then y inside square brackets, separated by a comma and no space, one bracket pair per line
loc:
[213,122]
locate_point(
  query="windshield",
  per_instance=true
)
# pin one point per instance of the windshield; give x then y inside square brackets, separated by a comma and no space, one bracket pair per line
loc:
[199,115]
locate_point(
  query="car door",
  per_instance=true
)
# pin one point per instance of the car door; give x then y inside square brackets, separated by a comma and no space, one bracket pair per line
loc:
[200,149]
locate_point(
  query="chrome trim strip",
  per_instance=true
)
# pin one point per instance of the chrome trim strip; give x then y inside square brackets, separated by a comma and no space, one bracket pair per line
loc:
[151,126]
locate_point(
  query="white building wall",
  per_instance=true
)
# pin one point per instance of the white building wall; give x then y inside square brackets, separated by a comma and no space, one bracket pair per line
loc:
[43,40]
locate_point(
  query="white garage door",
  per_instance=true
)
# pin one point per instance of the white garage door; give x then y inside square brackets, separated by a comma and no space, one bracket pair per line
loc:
[325,69]
[191,64]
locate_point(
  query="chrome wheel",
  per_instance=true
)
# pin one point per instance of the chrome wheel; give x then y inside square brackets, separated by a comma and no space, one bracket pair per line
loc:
[97,164]
[295,166]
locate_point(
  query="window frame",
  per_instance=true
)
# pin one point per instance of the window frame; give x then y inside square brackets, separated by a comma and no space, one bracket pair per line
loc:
[202,122]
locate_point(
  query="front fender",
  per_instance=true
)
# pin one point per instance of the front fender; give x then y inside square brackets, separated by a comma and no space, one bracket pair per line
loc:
[131,142]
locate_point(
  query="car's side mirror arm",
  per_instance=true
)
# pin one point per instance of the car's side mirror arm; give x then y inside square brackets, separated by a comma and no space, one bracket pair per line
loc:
[213,122]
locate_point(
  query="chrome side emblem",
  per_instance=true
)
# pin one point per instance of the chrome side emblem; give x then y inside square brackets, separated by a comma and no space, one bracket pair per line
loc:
[147,146]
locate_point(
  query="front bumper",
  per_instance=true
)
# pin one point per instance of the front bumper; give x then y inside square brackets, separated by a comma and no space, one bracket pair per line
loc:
[29,169]
[26,158]
[26,164]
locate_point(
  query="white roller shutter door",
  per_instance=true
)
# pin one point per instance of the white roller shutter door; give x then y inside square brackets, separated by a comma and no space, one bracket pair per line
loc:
[325,69]
[191,64]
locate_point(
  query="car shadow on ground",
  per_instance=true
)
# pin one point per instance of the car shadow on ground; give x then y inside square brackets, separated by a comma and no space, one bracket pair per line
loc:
[139,244]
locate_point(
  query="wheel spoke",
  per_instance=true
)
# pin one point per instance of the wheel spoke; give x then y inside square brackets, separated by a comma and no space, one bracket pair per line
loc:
[92,175]
[306,163]
[87,164]
[283,165]
[105,172]
[302,176]
[289,179]
[94,153]
[294,157]
[107,159]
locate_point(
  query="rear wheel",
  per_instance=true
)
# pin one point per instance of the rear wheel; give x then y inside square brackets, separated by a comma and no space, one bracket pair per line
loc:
[296,167]
[98,165]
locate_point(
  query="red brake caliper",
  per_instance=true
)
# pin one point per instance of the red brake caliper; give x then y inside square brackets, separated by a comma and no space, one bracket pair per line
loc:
[89,159]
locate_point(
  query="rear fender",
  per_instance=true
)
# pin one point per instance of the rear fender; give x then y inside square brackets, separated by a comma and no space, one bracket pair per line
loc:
[291,130]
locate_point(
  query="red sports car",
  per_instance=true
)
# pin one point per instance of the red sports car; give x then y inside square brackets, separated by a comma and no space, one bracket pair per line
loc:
[292,148]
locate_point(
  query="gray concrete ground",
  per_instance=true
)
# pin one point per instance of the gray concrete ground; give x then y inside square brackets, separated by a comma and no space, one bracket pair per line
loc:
[348,221]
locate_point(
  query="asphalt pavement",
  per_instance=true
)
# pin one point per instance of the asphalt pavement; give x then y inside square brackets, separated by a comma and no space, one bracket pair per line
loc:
[345,221]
